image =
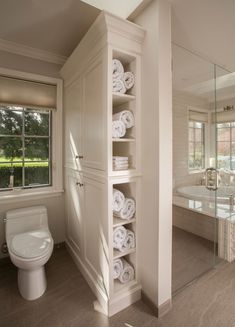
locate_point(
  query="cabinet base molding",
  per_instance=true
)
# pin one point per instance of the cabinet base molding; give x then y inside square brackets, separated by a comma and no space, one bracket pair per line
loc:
[158,311]
[103,305]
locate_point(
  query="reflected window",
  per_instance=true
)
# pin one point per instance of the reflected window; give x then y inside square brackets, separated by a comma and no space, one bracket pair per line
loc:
[226,145]
[196,131]
[25,147]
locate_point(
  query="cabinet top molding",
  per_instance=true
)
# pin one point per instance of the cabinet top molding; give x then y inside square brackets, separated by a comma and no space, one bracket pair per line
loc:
[107,29]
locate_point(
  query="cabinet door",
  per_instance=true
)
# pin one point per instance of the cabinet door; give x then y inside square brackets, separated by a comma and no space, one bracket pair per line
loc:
[94,115]
[96,226]
[74,206]
[73,122]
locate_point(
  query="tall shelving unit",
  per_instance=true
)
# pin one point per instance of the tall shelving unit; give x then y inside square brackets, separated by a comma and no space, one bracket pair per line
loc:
[89,72]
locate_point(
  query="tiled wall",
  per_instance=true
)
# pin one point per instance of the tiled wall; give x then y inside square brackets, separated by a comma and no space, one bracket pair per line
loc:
[181,102]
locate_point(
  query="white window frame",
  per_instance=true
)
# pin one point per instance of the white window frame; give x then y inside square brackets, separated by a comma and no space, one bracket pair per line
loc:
[206,139]
[57,141]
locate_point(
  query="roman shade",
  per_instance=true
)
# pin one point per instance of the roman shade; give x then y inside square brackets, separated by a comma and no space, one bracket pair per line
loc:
[223,117]
[198,116]
[15,91]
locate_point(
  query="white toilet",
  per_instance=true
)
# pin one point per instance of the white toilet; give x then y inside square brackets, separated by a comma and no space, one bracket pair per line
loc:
[30,246]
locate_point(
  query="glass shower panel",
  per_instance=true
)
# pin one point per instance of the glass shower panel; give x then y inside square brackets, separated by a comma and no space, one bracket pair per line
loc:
[194,167]
[224,121]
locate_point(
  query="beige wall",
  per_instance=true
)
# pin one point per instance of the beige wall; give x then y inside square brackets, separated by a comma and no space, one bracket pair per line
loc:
[55,205]
[155,242]
[29,65]
[181,102]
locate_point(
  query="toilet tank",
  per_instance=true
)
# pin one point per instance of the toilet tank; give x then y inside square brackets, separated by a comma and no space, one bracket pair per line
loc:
[26,219]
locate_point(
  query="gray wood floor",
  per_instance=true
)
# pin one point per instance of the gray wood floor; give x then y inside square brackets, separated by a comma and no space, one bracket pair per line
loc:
[68,301]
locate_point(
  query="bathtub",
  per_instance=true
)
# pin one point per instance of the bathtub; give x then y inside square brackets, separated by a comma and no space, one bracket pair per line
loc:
[198,192]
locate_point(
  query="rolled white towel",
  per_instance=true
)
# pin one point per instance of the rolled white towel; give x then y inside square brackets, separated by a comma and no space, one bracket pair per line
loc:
[118,86]
[127,117]
[129,80]
[118,200]
[119,235]
[117,268]
[118,69]
[127,273]
[129,242]
[128,211]
[118,129]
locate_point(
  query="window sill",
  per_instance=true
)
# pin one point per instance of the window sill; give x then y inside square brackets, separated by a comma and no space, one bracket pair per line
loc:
[21,196]
[199,171]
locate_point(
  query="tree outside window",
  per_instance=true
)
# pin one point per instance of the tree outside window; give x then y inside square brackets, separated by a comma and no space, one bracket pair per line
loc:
[196,145]
[25,147]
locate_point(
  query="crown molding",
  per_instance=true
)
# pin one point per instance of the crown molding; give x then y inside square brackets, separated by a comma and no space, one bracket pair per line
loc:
[26,51]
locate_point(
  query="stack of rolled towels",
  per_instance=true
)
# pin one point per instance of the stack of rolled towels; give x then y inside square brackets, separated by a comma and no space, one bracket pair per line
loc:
[120,163]
[123,271]
[122,81]
[121,122]
[123,239]
[123,207]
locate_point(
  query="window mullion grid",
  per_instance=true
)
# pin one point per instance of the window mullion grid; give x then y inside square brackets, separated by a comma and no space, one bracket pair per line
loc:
[194,146]
[230,148]
[23,149]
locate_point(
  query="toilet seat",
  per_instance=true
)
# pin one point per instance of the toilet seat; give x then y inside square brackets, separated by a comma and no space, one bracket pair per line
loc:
[32,244]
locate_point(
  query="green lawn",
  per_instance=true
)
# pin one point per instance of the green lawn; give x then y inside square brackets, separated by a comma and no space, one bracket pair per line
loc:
[5,162]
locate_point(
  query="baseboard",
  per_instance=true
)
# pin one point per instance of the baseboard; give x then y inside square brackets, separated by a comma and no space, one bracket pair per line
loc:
[158,311]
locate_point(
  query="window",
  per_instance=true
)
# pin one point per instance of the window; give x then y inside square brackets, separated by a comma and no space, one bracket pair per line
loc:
[196,145]
[226,145]
[25,147]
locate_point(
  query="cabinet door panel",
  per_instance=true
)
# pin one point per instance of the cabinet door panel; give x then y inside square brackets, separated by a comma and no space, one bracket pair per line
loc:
[94,113]
[74,211]
[95,236]
[73,122]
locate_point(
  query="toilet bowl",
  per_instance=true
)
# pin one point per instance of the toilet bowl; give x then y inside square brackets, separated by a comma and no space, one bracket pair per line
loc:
[30,246]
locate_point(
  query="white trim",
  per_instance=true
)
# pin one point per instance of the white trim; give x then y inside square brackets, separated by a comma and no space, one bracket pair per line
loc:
[57,139]
[29,196]
[26,51]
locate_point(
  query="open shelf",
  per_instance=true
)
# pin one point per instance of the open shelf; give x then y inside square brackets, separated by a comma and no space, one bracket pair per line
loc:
[120,222]
[119,98]
[123,140]
[117,254]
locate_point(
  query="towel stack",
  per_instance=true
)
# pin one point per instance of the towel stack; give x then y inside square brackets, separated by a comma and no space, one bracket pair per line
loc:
[123,208]
[123,239]
[123,271]
[121,122]
[120,163]
[122,81]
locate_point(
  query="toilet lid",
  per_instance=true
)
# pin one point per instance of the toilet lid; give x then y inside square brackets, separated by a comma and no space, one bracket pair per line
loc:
[31,244]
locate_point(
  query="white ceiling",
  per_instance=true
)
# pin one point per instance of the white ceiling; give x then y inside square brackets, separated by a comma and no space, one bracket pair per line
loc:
[206,28]
[55,26]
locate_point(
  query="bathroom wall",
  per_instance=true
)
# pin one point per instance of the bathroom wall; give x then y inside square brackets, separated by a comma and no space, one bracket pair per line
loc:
[156,226]
[55,205]
[181,102]
[29,65]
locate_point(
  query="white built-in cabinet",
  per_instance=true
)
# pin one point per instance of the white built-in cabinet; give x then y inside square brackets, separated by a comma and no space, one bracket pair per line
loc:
[89,104]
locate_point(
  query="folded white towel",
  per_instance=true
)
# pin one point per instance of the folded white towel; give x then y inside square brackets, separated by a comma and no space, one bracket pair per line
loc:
[119,235]
[129,80]
[121,167]
[118,69]
[127,273]
[118,200]
[118,86]
[117,158]
[127,117]
[118,129]
[117,268]
[128,211]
